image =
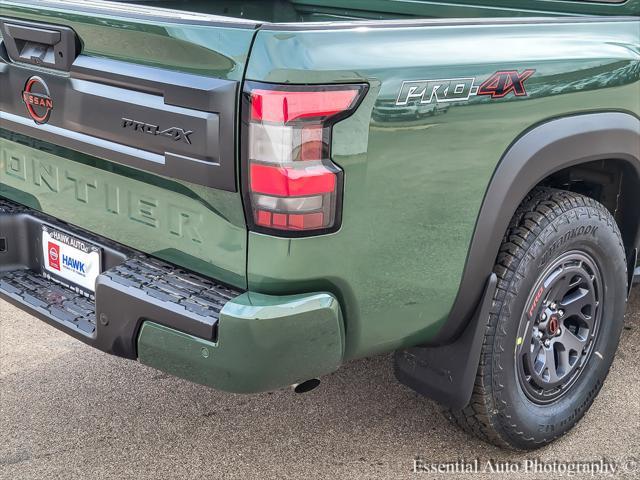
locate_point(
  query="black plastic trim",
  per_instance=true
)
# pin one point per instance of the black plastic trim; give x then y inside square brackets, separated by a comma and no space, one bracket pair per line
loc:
[62,43]
[142,289]
[539,152]
[91,105]
[180,89]
[447,373]
[41,314]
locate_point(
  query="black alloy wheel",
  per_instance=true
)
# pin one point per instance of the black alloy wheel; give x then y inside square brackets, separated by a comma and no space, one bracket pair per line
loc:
[559,327]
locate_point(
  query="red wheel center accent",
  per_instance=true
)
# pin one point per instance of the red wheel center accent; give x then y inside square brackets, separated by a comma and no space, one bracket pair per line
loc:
[553,325]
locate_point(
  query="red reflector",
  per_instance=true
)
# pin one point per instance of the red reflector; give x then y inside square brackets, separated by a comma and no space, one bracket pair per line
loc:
[306,221]
[290,221]
[263,218]
[280,220]
[281,107]
[288,182]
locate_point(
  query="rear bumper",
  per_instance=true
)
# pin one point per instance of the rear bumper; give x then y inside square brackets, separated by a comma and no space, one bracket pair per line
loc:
[264,343]
[179,322]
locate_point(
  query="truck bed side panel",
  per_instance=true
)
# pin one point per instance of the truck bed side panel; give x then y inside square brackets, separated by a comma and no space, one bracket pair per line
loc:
[415,175]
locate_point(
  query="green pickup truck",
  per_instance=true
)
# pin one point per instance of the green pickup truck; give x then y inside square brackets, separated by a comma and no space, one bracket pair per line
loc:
[248,194]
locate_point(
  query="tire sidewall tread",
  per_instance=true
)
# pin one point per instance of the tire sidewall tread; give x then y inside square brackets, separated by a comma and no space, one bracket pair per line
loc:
[499,411]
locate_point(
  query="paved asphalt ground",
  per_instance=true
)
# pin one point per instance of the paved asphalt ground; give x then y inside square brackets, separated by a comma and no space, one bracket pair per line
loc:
[68,411]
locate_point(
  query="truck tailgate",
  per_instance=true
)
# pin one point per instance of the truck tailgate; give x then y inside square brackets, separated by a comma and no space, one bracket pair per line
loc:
[122,121]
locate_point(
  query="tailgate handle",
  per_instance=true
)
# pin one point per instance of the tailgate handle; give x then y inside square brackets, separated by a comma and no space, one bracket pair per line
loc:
[39,44]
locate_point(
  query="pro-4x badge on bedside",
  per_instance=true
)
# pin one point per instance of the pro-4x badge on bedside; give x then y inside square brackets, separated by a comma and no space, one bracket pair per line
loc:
[498,85]
[38,100]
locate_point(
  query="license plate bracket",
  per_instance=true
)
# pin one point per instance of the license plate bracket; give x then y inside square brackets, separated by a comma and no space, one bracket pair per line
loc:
[70,260]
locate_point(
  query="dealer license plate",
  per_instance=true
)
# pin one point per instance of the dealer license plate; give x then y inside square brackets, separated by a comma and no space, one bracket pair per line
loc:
[72,261]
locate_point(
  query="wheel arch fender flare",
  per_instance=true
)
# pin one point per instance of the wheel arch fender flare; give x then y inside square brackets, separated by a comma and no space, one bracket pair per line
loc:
[445,368]
[539,152]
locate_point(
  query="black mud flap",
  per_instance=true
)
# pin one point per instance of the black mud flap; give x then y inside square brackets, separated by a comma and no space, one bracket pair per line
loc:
[447,373]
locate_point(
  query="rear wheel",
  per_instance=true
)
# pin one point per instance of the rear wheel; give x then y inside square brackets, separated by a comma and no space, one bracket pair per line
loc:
[555,323]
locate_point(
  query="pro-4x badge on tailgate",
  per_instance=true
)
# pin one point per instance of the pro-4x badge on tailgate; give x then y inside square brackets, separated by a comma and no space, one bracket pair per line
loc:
[499,85]
[38,100]
[174,133]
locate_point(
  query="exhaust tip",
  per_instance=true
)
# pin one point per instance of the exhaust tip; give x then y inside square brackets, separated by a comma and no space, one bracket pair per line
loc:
[306,386]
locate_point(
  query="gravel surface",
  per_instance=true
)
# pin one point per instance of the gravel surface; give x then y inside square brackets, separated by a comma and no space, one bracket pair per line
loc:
[68,411]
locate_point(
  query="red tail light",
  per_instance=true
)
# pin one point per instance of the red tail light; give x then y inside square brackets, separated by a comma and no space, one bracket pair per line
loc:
[293,186]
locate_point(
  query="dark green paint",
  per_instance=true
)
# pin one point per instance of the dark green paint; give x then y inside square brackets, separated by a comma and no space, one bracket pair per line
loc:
[218,51]
[264,343]
[171,220]
[415,176]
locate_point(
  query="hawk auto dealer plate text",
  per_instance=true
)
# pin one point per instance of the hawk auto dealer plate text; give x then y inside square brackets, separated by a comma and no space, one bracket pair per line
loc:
[72,261]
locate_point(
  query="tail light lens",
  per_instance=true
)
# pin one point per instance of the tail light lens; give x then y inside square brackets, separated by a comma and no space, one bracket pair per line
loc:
[293,186]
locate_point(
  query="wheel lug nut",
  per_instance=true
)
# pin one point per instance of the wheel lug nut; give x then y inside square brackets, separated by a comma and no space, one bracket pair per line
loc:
[561,313]
[543,316]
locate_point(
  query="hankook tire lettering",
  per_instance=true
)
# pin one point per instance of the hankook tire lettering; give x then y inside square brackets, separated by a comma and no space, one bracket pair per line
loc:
[578,231]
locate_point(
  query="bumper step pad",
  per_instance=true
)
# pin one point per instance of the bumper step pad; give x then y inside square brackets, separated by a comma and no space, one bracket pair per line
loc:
[140,288]
[146,289]
[167,283]
[48,297]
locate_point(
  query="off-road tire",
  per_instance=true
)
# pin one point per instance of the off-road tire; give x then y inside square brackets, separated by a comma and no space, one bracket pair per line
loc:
[548,224]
